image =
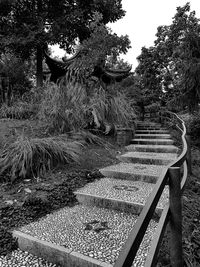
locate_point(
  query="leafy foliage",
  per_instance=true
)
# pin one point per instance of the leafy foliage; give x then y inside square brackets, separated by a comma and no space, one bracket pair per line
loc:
[193,125]
[98,48]
[33,157]
[154,107]
[149,72]
[14,77]
[172,64]
[35,22]
[26,25]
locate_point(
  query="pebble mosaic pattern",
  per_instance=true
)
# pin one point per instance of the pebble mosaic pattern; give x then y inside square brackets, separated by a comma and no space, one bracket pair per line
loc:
[106,188]
[20,258]
[68,228]
[131,188]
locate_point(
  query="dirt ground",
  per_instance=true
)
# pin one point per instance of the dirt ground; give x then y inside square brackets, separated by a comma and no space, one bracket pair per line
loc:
[27,200]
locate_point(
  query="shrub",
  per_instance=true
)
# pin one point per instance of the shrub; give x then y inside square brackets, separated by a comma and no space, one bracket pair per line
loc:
[193,125]
[33,157]
[154,107]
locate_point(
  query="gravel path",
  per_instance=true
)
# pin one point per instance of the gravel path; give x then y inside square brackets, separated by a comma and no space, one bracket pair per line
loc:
[95,232]
[20,258]
[130,191]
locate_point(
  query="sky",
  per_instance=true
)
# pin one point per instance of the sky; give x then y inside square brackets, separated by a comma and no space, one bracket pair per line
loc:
[141,21]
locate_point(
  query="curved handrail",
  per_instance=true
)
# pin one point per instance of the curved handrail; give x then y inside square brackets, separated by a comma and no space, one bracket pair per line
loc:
[132,245]
[180,160]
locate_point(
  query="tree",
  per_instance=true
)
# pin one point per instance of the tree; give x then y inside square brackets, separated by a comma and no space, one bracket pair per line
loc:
[172,65]
[150,75]
[14,77]
[26,25]
[178,48]
[101,45]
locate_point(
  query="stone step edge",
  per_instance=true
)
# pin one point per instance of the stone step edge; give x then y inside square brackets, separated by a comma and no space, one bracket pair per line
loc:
[129,176]
[152,140]
[150,130]
[54,253]
[152,136]
[150,127]
[151,148]
[147,161]
[126,206]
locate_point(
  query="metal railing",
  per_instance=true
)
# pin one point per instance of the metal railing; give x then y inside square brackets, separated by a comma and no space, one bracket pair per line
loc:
[172,213]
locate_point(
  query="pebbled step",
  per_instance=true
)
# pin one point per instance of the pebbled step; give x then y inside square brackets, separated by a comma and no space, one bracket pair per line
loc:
[19,258]
[152,141]
[149,124]
[134,172]
[82,236]
[127,196]
[148,158]
[153,148]
[150,128]
[152,132]
[152,136]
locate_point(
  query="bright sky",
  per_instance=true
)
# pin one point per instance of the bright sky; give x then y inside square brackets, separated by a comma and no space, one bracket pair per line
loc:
[142,19]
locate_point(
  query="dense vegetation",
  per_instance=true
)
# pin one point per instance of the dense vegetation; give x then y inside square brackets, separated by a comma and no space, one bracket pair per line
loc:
[169,70]
[26,26]
[53,123]
[78,103]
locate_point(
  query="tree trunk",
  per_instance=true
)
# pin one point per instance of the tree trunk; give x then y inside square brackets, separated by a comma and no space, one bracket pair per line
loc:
[39,71]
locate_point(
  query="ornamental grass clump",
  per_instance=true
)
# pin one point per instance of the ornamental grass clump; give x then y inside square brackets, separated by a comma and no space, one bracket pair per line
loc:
[71,107]
[114,109]
[88,138]
[64,107]
[33,157]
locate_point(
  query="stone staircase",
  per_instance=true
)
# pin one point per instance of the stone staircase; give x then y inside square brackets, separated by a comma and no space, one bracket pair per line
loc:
[93,232]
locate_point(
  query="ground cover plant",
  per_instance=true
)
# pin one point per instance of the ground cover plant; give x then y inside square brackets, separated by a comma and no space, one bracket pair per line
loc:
[33,157]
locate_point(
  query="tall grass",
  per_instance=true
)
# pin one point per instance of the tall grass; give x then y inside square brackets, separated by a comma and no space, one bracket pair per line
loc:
[88,138]
[68,107]
[114,109]
[33,157]
[64,107]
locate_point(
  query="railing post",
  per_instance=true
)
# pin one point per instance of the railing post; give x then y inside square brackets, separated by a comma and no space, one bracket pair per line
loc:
[175,222]
[189,156]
